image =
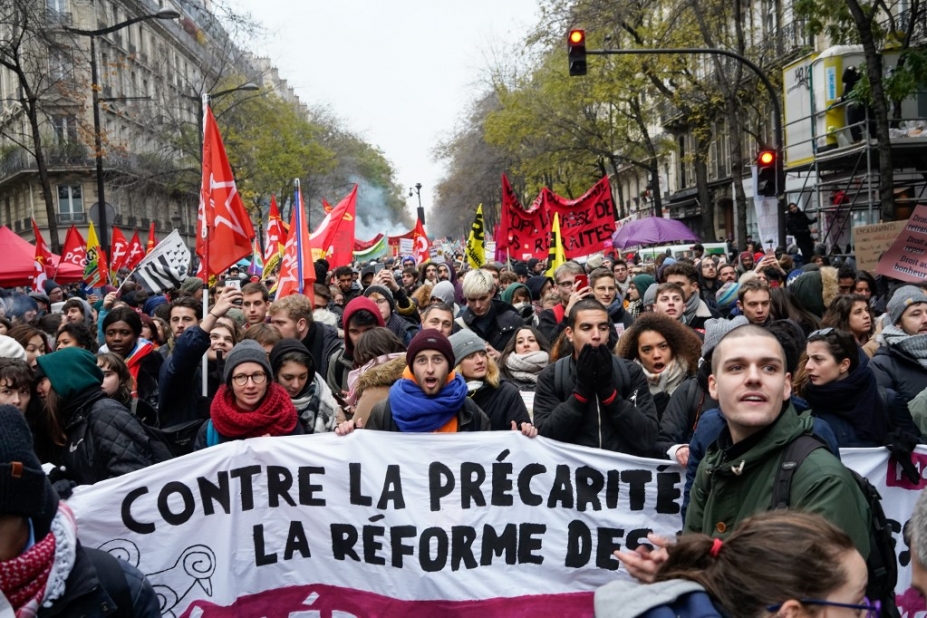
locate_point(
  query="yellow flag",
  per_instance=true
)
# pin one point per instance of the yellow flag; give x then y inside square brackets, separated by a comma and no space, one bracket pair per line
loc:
[95,269]
[476,250]
[555,255]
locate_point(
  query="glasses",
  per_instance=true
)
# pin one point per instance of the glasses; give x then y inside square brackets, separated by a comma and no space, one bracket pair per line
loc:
[566,284]
[823,332]
[242,378]
[872,609]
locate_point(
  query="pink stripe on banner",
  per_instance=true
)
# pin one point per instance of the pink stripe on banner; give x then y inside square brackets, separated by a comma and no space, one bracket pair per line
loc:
[323,600]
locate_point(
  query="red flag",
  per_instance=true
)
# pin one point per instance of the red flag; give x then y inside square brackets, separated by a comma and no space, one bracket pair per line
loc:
[334,238]
[326,206]
[420,244]
[224,228]
[135,252]
[43,260]
[152,239]
[586,223]
[525,233]
[75,249]
[276,236]
[118,250]
[297,273]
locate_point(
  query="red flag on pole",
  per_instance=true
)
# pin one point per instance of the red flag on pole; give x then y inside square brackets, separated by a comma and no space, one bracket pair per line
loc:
[224,227]
[297,273]
[334,238]
[43,260]
[75,249]
[152,239]
[135,252]
[276,237]
[326,206]
[118,250]
[420,245]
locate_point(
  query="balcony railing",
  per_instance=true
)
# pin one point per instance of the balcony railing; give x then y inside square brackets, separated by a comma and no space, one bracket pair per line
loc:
[72,217]
[57,19]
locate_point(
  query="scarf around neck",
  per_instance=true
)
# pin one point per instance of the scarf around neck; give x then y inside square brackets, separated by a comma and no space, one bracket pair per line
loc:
[276,415]
[527,367]
[691,308]
[416,412]
[914,346]
[37,577]
[667,380]
[855,398]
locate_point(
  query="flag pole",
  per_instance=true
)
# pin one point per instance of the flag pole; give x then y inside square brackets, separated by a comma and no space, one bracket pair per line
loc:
[204,108]
[298,202]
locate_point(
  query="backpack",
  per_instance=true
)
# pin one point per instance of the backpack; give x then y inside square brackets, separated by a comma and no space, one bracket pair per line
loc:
[560,378]
[881,563]
[113,580]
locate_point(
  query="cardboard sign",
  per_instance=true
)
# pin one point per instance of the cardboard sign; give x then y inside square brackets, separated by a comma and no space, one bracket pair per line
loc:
[871,241]
[906,259]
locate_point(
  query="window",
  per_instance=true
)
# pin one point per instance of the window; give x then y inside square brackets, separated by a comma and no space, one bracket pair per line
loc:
[59,64]
[57,6]
[65,129]
[70,204]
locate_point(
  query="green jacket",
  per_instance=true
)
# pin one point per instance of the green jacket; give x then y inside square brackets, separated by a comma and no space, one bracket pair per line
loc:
[725,492]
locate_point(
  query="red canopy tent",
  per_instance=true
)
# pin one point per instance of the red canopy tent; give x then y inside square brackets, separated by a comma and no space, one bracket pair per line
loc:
[18,264]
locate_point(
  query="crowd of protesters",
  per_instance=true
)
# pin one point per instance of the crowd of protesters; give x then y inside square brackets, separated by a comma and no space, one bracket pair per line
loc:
[715,362]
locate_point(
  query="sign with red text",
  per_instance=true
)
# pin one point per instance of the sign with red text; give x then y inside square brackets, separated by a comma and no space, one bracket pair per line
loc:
[586,223]
[906,259]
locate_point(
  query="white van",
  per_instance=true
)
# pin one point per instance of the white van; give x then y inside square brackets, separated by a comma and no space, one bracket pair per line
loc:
[649,254]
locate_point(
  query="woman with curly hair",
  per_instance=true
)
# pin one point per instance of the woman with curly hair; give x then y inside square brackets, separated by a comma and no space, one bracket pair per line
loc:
[665,349]
[851,313]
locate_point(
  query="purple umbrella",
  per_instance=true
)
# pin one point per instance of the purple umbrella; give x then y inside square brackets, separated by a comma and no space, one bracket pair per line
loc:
[651,231]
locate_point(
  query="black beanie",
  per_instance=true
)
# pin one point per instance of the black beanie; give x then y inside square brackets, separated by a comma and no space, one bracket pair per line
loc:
[430,339]
[24,487]
[287,346]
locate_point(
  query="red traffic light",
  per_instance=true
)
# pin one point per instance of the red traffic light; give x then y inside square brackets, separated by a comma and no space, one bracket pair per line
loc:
[766,157]
[577,37]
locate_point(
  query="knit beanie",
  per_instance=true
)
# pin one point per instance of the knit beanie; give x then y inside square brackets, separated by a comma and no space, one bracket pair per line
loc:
[466,342]
[445,291]
[50,286]
[191,285]
[430,339]
[903,298]
[236,315]
[384,292]
[23,484]
[10,348]
[536,284]
[71,371]
[717,328]
[152,303]
[594,262]
[726,295]
[509,293]
[248,351]
[809,291]
[287,346]
[642,282]
[650,295]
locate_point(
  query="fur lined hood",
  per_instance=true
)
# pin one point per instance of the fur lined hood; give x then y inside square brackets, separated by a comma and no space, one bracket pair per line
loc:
[816,289]
[382,375]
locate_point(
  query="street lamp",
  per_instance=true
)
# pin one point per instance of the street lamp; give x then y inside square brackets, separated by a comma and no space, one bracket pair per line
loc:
[418,192]
[246,87]
[95,87]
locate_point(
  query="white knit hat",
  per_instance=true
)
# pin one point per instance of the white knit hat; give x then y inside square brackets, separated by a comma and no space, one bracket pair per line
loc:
[10,348]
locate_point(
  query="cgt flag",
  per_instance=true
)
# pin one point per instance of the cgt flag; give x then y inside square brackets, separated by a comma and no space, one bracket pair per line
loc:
[95,273]
[476,248]
[118,252]
[135,253]
[152,239]
[165,267]
[421,248]
[555,255]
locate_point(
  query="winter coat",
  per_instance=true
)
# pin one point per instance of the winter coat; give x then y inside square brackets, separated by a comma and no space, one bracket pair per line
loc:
[321,341]
[374,384]
[681,416]
[627,425]
[84,594]
[502,405]
[469,418]
[498,328]
[732,484]
[402,328]
[181,394]
[148,383]
[104,439]
[674,598]
[896,370]
[815,290]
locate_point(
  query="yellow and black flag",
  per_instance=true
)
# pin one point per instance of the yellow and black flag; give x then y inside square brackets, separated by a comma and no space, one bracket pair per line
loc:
[555,255]
[476,249]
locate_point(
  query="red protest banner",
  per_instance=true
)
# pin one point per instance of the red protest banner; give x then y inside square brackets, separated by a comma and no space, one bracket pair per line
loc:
[586,223]
[524,233]
[906,260]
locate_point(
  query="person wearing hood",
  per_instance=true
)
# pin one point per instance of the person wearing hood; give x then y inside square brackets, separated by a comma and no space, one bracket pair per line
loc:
[122,330]
[493,320]
[708,282]
[249,404]
[696,311]
[816,289]
[636,291]
[519,297]
[96,437]
[900,363]
[498,398]
[605,290]
[78,310]
[23,310]
[798,224]
[360,315]
[294,370]
[444,291]
[455,280]
[181,400]
[744,263]
[540,286]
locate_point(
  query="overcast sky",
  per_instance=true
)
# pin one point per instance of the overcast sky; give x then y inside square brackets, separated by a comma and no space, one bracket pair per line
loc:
[399,72]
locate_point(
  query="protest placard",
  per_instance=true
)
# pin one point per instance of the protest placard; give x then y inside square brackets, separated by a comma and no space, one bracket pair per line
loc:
[871,241]
[906,259]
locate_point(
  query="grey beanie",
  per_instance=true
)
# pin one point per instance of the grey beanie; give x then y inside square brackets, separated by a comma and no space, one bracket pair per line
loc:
[384,292]
[903,298]
[717,328]
[248,351]
[465,343]
[650,296]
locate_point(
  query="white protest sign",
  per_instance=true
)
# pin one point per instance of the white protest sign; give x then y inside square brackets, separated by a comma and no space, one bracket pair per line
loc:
[405,246]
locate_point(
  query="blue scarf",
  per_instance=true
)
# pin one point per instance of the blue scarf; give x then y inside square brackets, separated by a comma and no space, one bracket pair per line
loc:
[416,412]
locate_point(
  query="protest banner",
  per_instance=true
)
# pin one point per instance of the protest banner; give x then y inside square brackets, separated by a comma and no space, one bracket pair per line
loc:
[389,524]
[523,232]
[906,259]
[871,241]
[587,223]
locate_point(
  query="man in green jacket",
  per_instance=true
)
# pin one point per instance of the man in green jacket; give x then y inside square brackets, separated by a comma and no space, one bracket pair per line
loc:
[735,479]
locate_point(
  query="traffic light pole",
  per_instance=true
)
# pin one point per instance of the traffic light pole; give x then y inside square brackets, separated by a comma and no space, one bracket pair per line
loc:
[773,97]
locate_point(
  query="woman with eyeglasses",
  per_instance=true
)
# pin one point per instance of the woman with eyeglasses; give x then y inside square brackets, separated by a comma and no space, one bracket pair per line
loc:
[249,404]
[835,379]
[782,563]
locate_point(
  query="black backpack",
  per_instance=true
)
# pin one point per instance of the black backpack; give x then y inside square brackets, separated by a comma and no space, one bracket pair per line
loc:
[882,563]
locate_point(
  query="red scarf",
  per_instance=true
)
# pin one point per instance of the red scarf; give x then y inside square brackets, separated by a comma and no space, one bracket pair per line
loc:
[275,416]
[24,577]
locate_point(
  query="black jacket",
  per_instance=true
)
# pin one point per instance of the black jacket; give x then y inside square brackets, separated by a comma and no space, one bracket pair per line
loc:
[86,595]
[181,399]
[149,378]
[898,371]
[470,418]
[685,406]
[501,326]
[402,328]
[105,440]
[321,341]
[627,425]
[502,405]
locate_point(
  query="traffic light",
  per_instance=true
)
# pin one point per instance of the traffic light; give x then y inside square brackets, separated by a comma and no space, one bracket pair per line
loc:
[766,171]
[576,45]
